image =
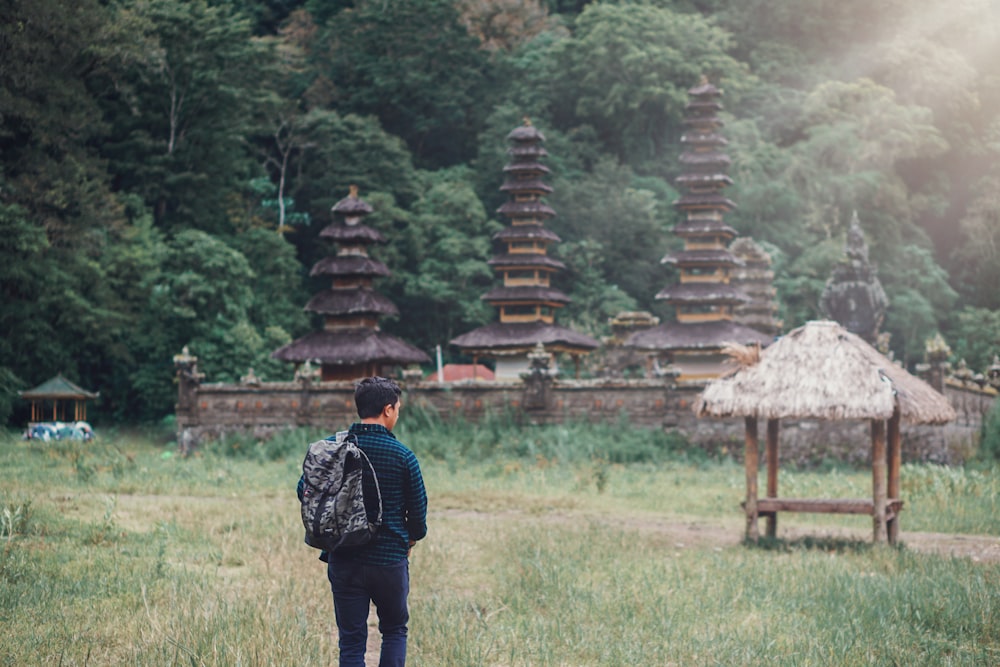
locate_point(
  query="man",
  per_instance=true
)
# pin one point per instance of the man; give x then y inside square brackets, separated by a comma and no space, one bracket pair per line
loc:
[379,571]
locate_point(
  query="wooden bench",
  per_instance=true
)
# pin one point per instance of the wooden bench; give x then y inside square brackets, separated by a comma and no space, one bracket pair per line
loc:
[769,507]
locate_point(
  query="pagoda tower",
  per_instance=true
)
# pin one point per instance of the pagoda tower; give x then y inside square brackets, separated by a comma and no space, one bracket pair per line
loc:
[703,300]
[526,302]
[351,345]
[755,279]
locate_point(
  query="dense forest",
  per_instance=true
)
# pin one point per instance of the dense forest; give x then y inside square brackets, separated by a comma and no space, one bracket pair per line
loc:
[167,165]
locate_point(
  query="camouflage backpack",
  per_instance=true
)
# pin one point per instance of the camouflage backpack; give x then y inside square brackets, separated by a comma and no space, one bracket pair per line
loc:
[333,501]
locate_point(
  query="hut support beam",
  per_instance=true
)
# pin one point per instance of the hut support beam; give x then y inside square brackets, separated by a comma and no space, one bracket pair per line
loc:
[772,474]
[751,462]
[895,456]
[879,481]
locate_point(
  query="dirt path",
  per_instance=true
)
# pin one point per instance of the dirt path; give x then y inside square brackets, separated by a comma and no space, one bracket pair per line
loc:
[702,534]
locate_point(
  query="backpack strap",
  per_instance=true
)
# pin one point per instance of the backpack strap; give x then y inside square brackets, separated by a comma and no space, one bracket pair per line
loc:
[378,491]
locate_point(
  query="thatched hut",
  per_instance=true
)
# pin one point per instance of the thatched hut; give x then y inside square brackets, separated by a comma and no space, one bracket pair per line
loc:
[823,371]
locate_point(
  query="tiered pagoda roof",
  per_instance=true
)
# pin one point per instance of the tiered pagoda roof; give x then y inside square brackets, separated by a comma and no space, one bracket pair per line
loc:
[526,300]
[704,299]
[755,279]
[351,345]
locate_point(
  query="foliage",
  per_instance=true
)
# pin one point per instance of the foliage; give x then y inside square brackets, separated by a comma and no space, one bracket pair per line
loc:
[160,545]
[413,64]
[441,251]
[989,444]
[615,228]
[974,335]
[133,127]
[626,71]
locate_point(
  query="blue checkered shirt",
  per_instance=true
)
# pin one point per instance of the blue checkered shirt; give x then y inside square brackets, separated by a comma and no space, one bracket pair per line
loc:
[404,499]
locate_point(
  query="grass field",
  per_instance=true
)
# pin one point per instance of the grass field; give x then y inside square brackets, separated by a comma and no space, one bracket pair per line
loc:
[558,546]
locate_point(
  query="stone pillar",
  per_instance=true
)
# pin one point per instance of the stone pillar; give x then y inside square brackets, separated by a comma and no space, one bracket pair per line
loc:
[186,409]
[537,392]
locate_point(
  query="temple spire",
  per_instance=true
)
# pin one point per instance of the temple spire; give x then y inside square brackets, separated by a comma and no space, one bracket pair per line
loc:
[704,299]
[526,300]
[351,345]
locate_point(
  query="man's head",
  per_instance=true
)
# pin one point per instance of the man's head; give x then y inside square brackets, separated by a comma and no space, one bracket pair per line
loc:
[377,400]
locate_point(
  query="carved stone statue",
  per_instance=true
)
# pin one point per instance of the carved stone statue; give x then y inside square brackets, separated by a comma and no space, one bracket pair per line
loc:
[853,295]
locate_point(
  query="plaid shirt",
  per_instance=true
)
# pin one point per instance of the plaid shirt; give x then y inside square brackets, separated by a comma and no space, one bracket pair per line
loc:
[404,499]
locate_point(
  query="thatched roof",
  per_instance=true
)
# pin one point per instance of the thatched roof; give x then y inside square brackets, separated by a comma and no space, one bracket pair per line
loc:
[526,233]
[342,233]
[513,209]
[349,265]
[516,337]
[526,166]
[351,301]
[352,205]
[704,200]
[705,160]
[526,185]
[702,257]
[674,336]
[823,371]
[525,133]
[702,293]
[525,259]
[526,294]
[700,227]
[351,346]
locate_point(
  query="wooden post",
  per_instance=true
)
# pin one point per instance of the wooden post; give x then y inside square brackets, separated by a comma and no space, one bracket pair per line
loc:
[879,480]
[772,473]
[895,456]
[751,462]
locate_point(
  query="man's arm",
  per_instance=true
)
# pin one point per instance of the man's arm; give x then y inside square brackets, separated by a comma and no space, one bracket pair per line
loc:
[415,501]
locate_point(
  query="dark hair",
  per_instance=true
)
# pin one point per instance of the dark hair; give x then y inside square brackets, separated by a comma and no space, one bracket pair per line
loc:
[372,394]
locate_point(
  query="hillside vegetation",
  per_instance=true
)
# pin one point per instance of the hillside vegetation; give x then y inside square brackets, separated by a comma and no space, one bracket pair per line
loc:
[166,167]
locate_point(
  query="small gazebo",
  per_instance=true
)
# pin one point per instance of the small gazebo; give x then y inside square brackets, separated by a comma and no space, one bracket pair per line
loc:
[823,371]
[58,393]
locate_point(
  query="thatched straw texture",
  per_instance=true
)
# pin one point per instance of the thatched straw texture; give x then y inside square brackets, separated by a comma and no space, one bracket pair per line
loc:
[515,337]
[822,371]
[351,346]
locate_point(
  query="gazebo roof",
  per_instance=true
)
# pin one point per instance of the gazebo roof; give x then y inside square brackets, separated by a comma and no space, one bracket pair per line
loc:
[58,388]
[823,371]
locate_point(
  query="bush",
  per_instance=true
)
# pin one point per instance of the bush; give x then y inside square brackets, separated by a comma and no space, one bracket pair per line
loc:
[989,443]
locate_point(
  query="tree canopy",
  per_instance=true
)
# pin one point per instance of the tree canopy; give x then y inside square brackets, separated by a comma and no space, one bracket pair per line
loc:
[166,167]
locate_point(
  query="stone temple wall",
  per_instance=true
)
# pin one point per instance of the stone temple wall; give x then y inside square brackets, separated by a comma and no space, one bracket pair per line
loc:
[209,410]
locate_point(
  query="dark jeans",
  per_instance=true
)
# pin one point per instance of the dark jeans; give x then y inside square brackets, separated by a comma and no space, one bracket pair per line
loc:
[355,585]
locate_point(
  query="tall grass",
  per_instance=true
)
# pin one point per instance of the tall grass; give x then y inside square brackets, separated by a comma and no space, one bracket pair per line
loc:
[590,595]
[571,545]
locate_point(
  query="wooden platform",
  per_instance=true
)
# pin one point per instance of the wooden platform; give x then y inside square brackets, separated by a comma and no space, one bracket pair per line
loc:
[771,506]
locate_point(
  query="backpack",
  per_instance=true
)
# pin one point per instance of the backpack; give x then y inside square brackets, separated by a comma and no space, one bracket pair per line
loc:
[333,501]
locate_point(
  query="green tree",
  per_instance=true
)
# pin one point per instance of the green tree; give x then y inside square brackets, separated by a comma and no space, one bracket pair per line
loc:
[974,335]
[22,271]
[919,298]
[594,299]
[277,287]
[51,54]
[182,112]
[626,72]
[625,222]
[438,254]
[977,258]
[206,295]
[413,65]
